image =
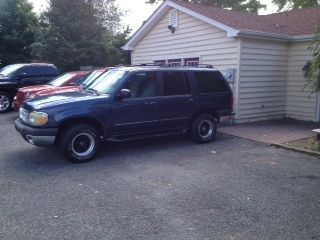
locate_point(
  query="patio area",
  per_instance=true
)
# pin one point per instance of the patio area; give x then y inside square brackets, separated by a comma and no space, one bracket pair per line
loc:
[274,131]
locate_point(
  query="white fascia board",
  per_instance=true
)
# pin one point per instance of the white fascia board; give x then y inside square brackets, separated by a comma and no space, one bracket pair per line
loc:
[275,36]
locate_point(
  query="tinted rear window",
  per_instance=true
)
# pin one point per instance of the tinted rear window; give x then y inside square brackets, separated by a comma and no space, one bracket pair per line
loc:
[211,82]
[175,83]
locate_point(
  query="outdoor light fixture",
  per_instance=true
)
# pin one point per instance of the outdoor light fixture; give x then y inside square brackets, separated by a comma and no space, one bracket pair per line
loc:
[172,28]
[306,69]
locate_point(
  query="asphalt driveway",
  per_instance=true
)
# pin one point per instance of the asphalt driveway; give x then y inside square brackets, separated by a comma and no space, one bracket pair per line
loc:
[167,188]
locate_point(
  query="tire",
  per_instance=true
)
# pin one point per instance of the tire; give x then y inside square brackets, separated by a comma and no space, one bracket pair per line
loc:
[5,102]
[79,143]
[203,128]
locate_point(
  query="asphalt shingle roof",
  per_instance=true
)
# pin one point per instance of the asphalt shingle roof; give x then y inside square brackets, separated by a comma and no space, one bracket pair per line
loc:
[297,22]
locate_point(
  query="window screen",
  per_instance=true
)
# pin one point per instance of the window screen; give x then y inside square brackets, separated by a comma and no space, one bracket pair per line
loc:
[175,83]
[210,82]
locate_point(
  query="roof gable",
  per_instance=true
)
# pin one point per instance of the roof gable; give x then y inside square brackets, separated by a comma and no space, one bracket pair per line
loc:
[287,26]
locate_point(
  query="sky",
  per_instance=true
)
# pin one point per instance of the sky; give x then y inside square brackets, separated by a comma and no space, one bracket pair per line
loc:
[137,11]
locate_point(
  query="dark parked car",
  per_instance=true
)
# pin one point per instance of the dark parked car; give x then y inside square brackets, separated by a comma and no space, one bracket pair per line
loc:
[66,80]
[129,103]
[13,77]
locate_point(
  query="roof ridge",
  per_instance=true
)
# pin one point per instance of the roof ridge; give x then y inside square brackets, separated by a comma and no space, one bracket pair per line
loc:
[291,11]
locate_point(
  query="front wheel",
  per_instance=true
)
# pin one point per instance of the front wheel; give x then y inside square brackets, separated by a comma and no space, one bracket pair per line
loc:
[5,102]
[80,143]
[204,128]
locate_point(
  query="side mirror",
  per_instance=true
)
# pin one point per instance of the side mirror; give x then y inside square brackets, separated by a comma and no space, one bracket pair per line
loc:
[124,93]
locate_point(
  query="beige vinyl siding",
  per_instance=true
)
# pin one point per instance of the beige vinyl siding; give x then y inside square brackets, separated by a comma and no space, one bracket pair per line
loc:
[300,104]
[192,38]
[262,84]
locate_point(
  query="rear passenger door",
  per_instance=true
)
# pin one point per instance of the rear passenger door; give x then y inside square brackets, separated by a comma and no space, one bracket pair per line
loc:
[176,103]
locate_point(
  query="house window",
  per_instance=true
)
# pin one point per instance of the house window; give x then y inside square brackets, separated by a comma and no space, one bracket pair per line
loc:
[160,62]
[191,62]
[175,62]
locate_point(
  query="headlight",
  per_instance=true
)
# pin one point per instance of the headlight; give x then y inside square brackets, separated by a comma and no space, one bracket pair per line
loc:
[37,118]
[27,95]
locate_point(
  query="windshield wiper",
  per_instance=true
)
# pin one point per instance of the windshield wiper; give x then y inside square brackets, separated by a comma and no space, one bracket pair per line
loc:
[91,90]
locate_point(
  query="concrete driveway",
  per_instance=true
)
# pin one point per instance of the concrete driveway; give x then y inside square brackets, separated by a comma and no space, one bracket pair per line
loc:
[275,131]
[167,188]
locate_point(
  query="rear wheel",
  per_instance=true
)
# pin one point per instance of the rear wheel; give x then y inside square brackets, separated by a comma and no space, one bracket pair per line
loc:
[5,102]
[79,143]
[204,128]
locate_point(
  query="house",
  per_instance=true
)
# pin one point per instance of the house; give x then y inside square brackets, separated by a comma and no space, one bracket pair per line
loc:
[266,54]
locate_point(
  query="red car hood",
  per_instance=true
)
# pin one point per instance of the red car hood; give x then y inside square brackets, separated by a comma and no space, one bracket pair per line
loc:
[57,90]
[34,89]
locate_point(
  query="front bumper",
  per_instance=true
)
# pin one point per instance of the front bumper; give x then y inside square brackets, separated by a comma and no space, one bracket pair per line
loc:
[16,105]
[36,136]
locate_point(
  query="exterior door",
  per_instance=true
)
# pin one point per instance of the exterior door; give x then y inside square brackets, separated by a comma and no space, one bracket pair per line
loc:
[176,103]
[138,113]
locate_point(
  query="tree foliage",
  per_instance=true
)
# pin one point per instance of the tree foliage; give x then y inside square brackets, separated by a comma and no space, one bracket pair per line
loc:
[17,31]
[252,6]
[76,33]
[314,66]
[295,4]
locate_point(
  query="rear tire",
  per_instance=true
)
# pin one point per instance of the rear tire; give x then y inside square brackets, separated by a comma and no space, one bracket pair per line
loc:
[79,143]
[204,128]
[5,102]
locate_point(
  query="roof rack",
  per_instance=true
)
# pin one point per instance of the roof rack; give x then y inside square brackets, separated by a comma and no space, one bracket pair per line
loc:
[169,65]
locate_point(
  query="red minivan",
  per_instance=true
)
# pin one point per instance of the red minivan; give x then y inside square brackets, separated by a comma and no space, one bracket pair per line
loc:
[67,80]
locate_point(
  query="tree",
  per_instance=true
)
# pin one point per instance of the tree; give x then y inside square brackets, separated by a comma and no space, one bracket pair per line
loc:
[295,4]
[313,69]
[251,6]
[119,56]
[72,34]
[17,31]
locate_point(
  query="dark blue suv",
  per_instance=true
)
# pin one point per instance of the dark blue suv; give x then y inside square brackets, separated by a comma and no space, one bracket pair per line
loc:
[129,103]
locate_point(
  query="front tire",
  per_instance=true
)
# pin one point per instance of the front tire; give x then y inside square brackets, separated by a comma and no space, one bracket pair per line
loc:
[80,143]
[5,102]
[204,128]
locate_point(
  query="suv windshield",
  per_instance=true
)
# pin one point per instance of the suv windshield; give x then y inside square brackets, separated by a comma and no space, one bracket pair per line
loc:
[60,81]
[89,78]
[107,82]
[8,71]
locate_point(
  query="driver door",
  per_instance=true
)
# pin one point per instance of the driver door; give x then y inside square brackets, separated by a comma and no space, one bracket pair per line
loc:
[138,113]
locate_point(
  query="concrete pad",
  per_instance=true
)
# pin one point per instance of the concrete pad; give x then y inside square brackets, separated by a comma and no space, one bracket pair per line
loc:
[274,131]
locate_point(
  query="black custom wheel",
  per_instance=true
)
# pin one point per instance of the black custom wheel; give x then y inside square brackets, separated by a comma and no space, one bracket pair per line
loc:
[204,128]
[5,102]
[80,143]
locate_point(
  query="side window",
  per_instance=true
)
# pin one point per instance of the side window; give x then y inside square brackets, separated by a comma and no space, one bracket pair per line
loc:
[211,82]
[175,83]
[142,85]
[30,71]
[46,70]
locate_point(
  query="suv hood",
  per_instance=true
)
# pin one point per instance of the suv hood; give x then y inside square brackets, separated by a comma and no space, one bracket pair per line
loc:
[63,99]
